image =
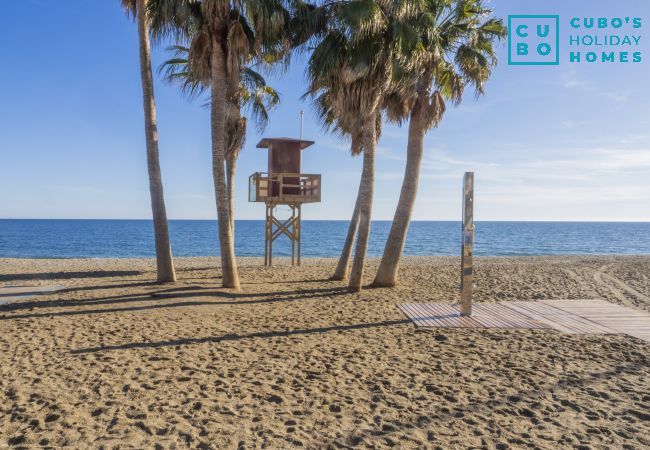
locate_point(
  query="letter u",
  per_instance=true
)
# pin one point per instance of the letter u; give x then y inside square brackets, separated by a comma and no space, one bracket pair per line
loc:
[543,32]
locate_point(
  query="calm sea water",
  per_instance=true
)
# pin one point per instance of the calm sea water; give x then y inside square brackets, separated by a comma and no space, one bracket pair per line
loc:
[134,238]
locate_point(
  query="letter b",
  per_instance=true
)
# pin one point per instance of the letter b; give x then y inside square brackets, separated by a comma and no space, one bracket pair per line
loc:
[522,49]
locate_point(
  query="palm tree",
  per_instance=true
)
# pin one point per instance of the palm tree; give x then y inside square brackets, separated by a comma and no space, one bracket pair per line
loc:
[257,98]
[332,123]
[342,270]
[351,69]
[457,38]
[219,34]
[164,261]
[253,96]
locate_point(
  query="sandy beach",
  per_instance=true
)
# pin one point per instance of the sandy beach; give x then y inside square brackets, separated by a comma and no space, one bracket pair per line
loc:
[294,361]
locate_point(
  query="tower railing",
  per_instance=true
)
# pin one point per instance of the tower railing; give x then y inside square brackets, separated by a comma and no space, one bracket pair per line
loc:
[284,188]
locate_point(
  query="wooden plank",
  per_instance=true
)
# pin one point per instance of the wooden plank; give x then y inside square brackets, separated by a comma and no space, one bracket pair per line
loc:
[574,323]
[411,314]
[567,316]
[526,321]
[493,320]
[438,313]
[10,291]
[426,317]
[618,318]
[11,294]
[517,318]
[583,325]
[432,317]
[442,312]
[503,314]
[484,316]
[421,316]
[406,309]
[560,320]
[535,314]
[486,320]
[581,316]
[423,319]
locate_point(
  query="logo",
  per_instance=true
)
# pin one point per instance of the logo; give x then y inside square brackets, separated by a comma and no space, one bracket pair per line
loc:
[534,40]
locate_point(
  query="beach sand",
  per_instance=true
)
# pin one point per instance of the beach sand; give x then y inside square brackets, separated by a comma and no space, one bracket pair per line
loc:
[294,361]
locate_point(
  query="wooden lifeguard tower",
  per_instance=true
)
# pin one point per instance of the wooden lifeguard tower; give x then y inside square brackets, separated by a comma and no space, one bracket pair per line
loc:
[283,184]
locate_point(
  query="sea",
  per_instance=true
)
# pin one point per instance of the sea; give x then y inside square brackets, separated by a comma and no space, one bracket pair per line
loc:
[27,238]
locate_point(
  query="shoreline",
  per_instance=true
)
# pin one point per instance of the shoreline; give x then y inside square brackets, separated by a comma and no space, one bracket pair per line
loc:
[253,259]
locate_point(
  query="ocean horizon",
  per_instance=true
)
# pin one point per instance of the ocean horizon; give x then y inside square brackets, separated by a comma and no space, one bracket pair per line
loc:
[125,238]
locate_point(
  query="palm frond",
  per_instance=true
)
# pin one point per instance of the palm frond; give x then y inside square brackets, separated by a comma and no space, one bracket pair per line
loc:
[130,7]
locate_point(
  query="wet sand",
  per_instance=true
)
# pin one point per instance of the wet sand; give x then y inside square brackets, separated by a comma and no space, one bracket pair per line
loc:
[293,360]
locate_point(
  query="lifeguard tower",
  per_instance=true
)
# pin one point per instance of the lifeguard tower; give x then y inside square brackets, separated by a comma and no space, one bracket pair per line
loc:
[283,184]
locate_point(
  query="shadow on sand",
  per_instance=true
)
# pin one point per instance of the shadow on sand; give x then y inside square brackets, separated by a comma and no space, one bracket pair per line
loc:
[68,275]
[231,298]
[237,337]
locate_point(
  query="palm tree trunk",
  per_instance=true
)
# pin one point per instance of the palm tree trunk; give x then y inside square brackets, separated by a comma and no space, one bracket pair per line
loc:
[365,206]
[231,169]
[164,261]
[388,268]
[343,266]
[230,278]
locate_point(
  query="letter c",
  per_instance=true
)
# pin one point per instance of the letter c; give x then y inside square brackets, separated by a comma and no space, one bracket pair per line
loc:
[520,33]
[575,22]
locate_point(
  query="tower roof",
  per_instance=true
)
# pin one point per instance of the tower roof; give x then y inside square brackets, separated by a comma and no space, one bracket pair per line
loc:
[264,143]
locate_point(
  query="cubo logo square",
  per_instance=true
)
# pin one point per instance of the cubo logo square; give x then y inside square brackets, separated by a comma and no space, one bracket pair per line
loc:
[534,40]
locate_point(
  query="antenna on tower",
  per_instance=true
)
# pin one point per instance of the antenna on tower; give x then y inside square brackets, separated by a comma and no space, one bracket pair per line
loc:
[302,117]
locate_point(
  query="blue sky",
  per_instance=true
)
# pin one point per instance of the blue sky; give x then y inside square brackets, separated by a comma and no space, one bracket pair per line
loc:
[567,142]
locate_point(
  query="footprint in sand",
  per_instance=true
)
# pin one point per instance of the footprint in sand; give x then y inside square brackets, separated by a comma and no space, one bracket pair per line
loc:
[52,418]
[17,440]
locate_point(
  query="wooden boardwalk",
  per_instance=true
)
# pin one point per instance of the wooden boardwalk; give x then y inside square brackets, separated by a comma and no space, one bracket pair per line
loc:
[621,319]
[559,319]
[10,294]
[484,315]
[566,316]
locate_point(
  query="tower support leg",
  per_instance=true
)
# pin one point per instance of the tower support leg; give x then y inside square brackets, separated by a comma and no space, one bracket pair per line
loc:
[266,236]
[293,235]
[274,228]
[299,230]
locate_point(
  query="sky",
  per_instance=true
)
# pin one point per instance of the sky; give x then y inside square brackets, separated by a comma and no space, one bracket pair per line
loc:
[568,142]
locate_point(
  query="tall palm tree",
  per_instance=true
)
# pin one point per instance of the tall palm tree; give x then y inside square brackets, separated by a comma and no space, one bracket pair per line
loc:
[256,98]
[342,270]
[351,69]
[342,127]
[457,39]
[219,35]
[164,261]
[253,96]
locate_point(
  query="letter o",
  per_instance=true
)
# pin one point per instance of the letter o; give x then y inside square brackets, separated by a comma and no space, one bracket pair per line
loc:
[617,22]
[544,49]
